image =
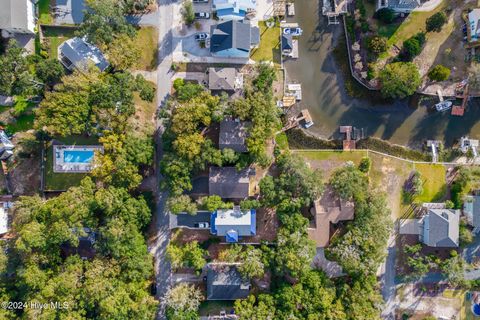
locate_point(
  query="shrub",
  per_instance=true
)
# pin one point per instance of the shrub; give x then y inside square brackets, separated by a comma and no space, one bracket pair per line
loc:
[391,149]
[439,73]
[188,13]
[297,139]
[377,44]
[385,15]
[436,22]
[413,46]
[365,164]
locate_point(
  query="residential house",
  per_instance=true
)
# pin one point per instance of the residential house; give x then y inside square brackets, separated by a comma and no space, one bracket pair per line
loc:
[233,9]
[17,16]
[399,6]
[233,223]
[229,183]
[6,146]
[233,134]
[473,26]
[233,39]
[78,53]
[327,210]
[440,228]
[4,217]
[224,282]
[471,210]
[85,248]
[224,79]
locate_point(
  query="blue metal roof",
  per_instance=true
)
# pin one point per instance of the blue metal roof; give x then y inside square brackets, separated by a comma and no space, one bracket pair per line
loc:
[213,228]
[231,11]
[253,224]
[231,236]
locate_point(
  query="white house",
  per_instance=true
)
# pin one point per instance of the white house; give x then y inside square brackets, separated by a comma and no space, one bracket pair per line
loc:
[233,223]
[473,20]
[399,6]
[233,9]
[17,16]
[78,53]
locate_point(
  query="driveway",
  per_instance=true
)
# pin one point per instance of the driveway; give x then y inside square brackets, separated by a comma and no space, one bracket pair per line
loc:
[148,19]
[387,279]
[68,11]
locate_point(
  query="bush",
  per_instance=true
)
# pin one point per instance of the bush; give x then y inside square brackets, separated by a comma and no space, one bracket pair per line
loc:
[436,22]
[439,73]
[386,15]
[365,164]
[377,44]
[413,46]
[188,13]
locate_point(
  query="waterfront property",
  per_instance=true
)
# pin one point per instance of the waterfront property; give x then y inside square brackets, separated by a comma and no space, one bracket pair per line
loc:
[233,39]
[225,79]
[440,228]
[399,6]
[78,53]
[233,9]
[233,223]
[74,159]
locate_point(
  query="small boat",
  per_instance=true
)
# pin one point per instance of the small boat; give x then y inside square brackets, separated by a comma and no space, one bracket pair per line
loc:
[444,105]
[293,31]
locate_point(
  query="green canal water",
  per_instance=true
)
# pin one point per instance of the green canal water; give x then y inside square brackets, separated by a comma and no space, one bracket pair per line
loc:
[324,94]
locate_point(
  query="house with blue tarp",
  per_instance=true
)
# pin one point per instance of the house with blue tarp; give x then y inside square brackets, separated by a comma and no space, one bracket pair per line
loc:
[233,9]
[233,223]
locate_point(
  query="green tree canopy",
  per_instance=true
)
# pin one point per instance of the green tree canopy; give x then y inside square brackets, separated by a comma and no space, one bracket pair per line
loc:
[439,73]
[399,80]
[436,22]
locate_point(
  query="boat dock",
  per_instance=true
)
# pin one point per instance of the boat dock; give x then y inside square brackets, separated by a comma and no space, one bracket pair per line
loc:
[461,92]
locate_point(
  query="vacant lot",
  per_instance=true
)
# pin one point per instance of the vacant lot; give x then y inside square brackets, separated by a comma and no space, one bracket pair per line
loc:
[387,175]
[147,40]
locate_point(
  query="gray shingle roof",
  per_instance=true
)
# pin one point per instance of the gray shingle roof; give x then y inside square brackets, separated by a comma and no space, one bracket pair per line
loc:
[222,78]
[230,35]
[233,134]
[228,183]
[80,53]
[14,14]
[224,282]
[287,42]
[441,228]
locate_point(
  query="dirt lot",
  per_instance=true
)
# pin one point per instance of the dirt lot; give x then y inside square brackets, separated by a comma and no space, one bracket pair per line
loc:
[420,301]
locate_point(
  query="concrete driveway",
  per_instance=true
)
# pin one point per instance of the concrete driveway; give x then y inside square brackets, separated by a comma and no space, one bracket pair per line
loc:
[189,45]
[68,11]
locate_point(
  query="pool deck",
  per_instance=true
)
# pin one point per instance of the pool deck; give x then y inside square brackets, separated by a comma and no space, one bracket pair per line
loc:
[62,166]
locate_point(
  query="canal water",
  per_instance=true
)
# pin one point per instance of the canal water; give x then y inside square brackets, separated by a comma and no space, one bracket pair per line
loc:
[325,96]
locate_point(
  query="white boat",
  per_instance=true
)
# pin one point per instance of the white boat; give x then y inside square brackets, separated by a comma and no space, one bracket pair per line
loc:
[444,105]
[293,31]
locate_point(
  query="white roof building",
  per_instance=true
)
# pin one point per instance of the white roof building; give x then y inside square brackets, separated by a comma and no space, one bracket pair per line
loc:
[233,223]
[473,19]
[4,227]
[17,16]
[78,53]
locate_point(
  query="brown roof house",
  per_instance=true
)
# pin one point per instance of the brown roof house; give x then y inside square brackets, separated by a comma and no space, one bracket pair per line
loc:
[224,79]
[233,135]
[328,209]
[229,183]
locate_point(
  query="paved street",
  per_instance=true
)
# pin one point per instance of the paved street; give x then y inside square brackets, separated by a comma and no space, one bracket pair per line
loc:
[387,279]
[160,242]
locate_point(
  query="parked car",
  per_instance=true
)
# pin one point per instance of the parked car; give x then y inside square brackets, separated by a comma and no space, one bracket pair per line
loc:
[202,225]
[202,36]
[202,15]
[200,1]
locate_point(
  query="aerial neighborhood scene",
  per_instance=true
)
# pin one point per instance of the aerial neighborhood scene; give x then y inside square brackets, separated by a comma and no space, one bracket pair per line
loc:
[240,159]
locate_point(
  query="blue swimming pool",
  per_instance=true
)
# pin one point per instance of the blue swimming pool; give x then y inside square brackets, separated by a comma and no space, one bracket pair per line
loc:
[78,156]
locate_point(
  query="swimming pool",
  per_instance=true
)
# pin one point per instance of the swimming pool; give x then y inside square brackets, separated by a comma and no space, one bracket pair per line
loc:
[78,156]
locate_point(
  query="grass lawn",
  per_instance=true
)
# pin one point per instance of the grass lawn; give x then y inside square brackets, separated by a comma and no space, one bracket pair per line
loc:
[63,181]
[282,141]
[147,40]
[354,156]
[214,307]
[24,123]
[413,24]
[143,121]
[44,12]
[434,186]
[54,37]
[269,48]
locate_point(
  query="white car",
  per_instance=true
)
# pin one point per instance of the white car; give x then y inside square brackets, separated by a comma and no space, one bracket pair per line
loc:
[202,36]
[202,15]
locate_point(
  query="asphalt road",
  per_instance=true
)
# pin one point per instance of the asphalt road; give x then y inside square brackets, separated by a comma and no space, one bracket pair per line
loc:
[158,246]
